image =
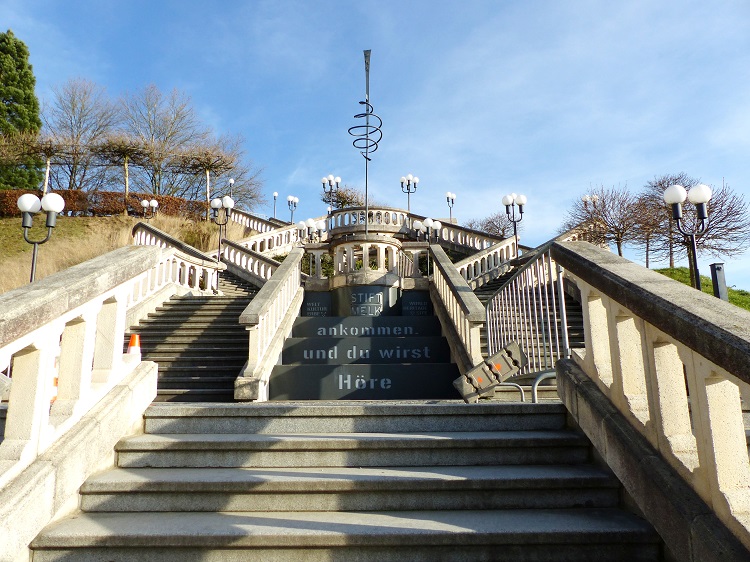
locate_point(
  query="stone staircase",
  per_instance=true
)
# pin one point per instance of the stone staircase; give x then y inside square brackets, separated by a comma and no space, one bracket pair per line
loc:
[198,343]
[365,358]
[353,481]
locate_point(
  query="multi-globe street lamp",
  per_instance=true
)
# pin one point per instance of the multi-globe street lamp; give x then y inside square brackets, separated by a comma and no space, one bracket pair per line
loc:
[510,201]
[409,186]
[28,204]
[225,204]
[699,196]
[426,228]
[331,187]
[292,201]
[451,199]
[149,208]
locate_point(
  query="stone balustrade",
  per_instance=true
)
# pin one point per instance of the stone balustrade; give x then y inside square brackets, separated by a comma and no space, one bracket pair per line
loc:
[69,329]
[487,264]
[274,242]
[198,273]
[269,319]
[464,311]
[251,221]
[246,263]
[673,361]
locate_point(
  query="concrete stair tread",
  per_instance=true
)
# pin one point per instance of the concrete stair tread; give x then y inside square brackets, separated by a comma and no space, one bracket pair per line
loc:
[346,479]
[323,529]
[354,441]
[336,408]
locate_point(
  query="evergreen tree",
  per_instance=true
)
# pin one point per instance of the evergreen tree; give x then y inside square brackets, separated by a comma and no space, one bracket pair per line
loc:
[19,113]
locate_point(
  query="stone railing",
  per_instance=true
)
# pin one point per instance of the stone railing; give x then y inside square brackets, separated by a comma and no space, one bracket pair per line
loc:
[673,362]
[387,220]
[247,264]
[274,242]
[487,264]
[269,319]
[461,306]
[69,328]
[200,272]
[249,220]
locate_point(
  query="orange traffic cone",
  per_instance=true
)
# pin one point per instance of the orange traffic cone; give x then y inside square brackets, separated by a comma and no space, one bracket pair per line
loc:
[135,344]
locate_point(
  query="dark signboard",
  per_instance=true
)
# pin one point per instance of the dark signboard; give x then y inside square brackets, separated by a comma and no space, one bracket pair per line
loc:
[416,303]
[317,304]
[366,300]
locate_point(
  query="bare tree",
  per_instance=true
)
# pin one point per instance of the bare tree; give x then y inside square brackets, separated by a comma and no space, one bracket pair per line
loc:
[610,212]
[163,125]
[79,115]
[344,196]
[497,223]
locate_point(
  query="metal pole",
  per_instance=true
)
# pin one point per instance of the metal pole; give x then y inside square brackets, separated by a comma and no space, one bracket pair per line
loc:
[719,282]
[694,259]
[33,261]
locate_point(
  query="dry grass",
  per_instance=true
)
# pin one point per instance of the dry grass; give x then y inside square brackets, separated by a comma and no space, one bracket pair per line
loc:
[78,239]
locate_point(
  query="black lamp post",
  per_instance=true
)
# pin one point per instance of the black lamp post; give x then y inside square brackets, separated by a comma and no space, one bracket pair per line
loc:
[510,202]
[699,196]
[28,204]
[224,204]
[330,188]
[292,203]
[409,186]
[451,199]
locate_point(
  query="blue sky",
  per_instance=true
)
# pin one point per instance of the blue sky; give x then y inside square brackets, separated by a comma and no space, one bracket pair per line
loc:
[481,98]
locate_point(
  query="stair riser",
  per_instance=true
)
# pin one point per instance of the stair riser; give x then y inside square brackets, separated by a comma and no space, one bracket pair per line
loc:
[344,424]
[356,326]
[488,498]
[458,548]
[344,351]
[352,457]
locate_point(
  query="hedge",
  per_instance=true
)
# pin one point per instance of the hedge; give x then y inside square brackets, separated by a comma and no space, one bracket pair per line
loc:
[103,203]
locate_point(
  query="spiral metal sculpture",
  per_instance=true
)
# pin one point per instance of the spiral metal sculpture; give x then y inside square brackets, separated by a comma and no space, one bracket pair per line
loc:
[367,136]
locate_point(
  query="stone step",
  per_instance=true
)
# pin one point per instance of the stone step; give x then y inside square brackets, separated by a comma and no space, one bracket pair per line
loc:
[203,382]
[189,370]
[350,489]
[372,326]
[354,416]
[365,350]
[416,381]
[352,449]
[500,535]
[186,333]
[187,359]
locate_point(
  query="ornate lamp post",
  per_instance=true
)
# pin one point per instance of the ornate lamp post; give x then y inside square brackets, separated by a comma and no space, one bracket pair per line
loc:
[510,202]
[330,188]
[699,196]
[226,204]
[149,206]
[409,186]
[231,185]
[292,203]
[451,199]
[275,195]
[28,204]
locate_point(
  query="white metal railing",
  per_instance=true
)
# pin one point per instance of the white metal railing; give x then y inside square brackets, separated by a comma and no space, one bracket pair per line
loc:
[269,319]
[488,264]
[529,309]
[69,328]
[461,304]
[674,362]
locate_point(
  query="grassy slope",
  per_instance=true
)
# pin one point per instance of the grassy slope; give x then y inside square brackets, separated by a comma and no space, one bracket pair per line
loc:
[77,239]
[737,297]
